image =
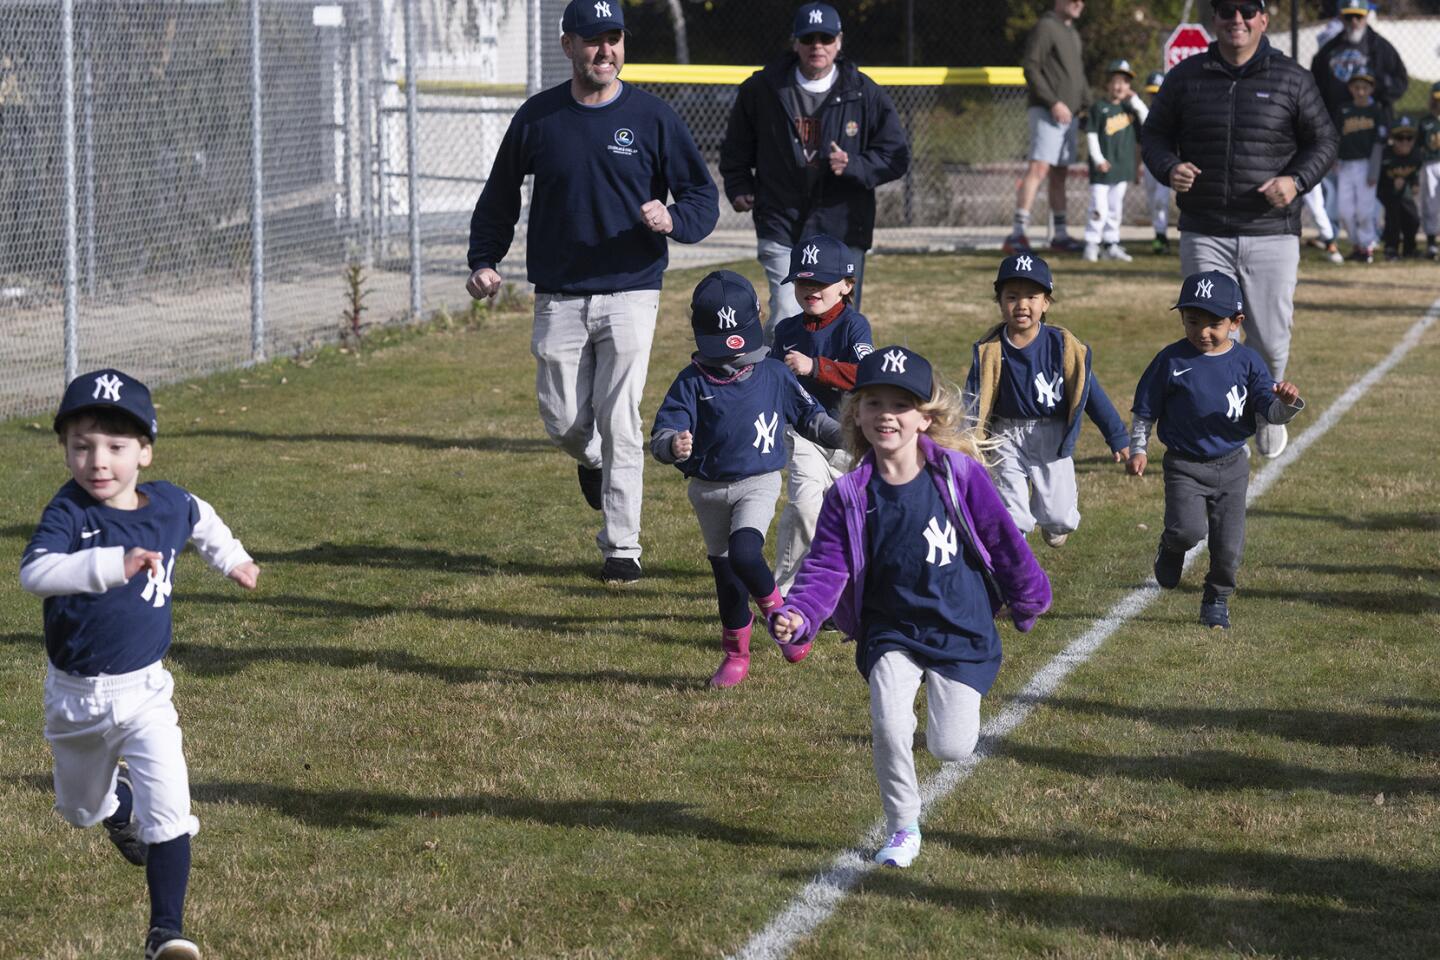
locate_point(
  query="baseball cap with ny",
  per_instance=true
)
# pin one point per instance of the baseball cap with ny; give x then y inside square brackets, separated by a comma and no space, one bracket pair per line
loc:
[590,18]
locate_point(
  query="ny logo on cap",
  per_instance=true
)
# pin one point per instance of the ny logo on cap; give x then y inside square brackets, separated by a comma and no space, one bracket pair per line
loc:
[602,9]
[1024,263]
[893,362]
[1204,288]
[816,16]
[110,386]
[727,318]
[810,255]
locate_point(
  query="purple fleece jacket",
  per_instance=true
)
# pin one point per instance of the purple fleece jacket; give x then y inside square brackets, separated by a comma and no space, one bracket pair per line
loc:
[831,580]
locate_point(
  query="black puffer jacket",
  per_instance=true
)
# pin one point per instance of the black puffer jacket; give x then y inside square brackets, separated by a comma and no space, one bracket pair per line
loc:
[1240,126]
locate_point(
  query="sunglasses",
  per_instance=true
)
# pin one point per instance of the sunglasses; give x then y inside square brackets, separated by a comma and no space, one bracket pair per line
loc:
[1352,16]
[817,39]
[1248,11]
[1403,138]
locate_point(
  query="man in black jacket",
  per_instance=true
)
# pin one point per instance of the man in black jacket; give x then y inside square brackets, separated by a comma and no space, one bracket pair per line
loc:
[809,140]
[1358,47]
[1239,132]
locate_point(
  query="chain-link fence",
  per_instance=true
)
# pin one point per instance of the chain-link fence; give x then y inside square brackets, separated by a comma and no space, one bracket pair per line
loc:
[150,149]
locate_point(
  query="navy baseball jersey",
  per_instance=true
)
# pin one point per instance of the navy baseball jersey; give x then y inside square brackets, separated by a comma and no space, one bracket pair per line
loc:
[1032,378]
[126,627]
[924,593]
[737,426]
[1206,404]
[847,338]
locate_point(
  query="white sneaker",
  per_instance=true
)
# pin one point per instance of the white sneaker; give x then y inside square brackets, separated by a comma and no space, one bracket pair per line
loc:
[1271,438]
[901,851]
[1092,252]
[1116,252]
[1054,539]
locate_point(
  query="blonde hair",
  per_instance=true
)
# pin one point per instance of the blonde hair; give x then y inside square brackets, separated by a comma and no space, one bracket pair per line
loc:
[950,426]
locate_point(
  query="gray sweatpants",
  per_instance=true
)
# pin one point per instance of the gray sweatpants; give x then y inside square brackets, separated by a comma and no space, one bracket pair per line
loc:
[1036,486]
[1267,269]
[951,729]
[592,354]
[775,258]
[724,506]
[1207,498]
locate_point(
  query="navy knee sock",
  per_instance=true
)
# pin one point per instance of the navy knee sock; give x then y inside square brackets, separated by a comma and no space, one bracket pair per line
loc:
[167,873]
[121,816]
[730,592]
[747,557]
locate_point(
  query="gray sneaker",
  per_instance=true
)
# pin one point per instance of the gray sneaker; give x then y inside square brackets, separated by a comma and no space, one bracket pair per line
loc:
[1271,438]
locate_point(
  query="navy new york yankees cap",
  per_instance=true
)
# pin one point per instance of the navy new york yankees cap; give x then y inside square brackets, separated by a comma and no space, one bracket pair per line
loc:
[590,18]
[896,366]
[1212,291]
[1024,266]
[725,316]
[817,18]
[820,258]
[109,389]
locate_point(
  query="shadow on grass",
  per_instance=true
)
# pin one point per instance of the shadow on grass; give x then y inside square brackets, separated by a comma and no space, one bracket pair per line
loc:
[352,809]
[1325,728]
[1369,601]
[1363,570]
[206,660]
[1317,907]
[23,530]
[1412,520]
[489,444]
[1218,771]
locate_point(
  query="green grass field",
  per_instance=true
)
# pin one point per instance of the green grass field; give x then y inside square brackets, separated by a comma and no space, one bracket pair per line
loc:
[433,733]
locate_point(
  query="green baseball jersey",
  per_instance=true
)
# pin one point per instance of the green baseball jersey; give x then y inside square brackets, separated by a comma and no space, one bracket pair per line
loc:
[1430,137]
[1360,129]
[1405,170]
[1117,126]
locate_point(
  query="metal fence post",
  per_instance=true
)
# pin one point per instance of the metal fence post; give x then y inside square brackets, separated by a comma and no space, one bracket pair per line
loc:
[363,106]
[380,48]
[533,76]
[412,138]
[72,310]
[257,196]
[89,123]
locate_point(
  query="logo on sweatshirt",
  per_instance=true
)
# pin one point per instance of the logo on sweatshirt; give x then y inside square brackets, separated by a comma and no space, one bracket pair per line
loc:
[765,432]
[940,541]
[1047,392]
[624,144]
[1236,400]
[158,589]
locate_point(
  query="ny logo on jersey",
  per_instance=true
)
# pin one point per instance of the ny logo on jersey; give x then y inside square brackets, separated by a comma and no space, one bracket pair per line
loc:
[157,589]
[765,432]
[816,16]
[940,541]
[893,362]
[1203,288]
[602,9]
[1236,399]
[109,385]
[810,256]
[1024,263]
[727,318]
[1048,392]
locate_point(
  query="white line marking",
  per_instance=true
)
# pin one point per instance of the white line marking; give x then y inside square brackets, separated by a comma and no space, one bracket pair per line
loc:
[820,898]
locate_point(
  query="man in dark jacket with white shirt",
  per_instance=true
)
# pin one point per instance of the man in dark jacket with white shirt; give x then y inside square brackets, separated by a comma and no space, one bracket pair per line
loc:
[1239,132]
[809,140]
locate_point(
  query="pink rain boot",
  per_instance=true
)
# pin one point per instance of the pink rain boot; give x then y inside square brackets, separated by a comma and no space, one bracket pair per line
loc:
[736,644]
[770,603]
[793,652]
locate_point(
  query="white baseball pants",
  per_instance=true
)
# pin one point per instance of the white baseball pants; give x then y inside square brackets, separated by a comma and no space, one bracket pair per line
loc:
[813,470]
[952,729]
[1430,198]
[592,354]
[92,722]
[1357,202]
[1107,209]
[1159,195]
[1037,487]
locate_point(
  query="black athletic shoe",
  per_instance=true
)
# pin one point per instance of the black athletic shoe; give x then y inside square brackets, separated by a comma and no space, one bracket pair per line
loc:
[1215,614]
[126,836]
[163,944]
[620,571]
[1168,564]
[590,480]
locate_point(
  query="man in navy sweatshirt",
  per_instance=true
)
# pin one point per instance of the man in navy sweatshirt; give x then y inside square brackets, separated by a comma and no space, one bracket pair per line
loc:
[605,156]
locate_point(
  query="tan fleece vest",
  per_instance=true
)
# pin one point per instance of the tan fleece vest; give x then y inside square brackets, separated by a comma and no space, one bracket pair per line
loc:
[991,350]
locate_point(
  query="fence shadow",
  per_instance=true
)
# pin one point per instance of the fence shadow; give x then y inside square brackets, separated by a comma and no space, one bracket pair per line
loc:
[484,444]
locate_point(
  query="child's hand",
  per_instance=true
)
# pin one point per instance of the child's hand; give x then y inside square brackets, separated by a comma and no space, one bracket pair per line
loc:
[1287,392]
[138,558]
[1369,182]
[1103,166]
[683,443]
[1122,454]
[1136,466]
[784,626]
[246,575]
[799,364]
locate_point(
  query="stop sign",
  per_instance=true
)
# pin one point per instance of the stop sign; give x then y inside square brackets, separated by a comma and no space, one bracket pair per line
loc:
[1185,40]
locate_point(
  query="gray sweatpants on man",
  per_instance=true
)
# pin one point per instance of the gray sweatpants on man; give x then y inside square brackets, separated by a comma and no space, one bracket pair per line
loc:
[1207,498]
[1266,268]
[592,354]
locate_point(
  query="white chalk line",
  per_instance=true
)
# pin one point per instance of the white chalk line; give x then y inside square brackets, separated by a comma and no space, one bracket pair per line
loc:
[818,900]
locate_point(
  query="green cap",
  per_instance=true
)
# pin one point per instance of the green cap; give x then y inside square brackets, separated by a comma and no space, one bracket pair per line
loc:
[1119,66]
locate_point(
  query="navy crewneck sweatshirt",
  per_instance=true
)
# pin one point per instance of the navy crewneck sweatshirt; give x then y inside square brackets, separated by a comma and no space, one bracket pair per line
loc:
[594,168]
